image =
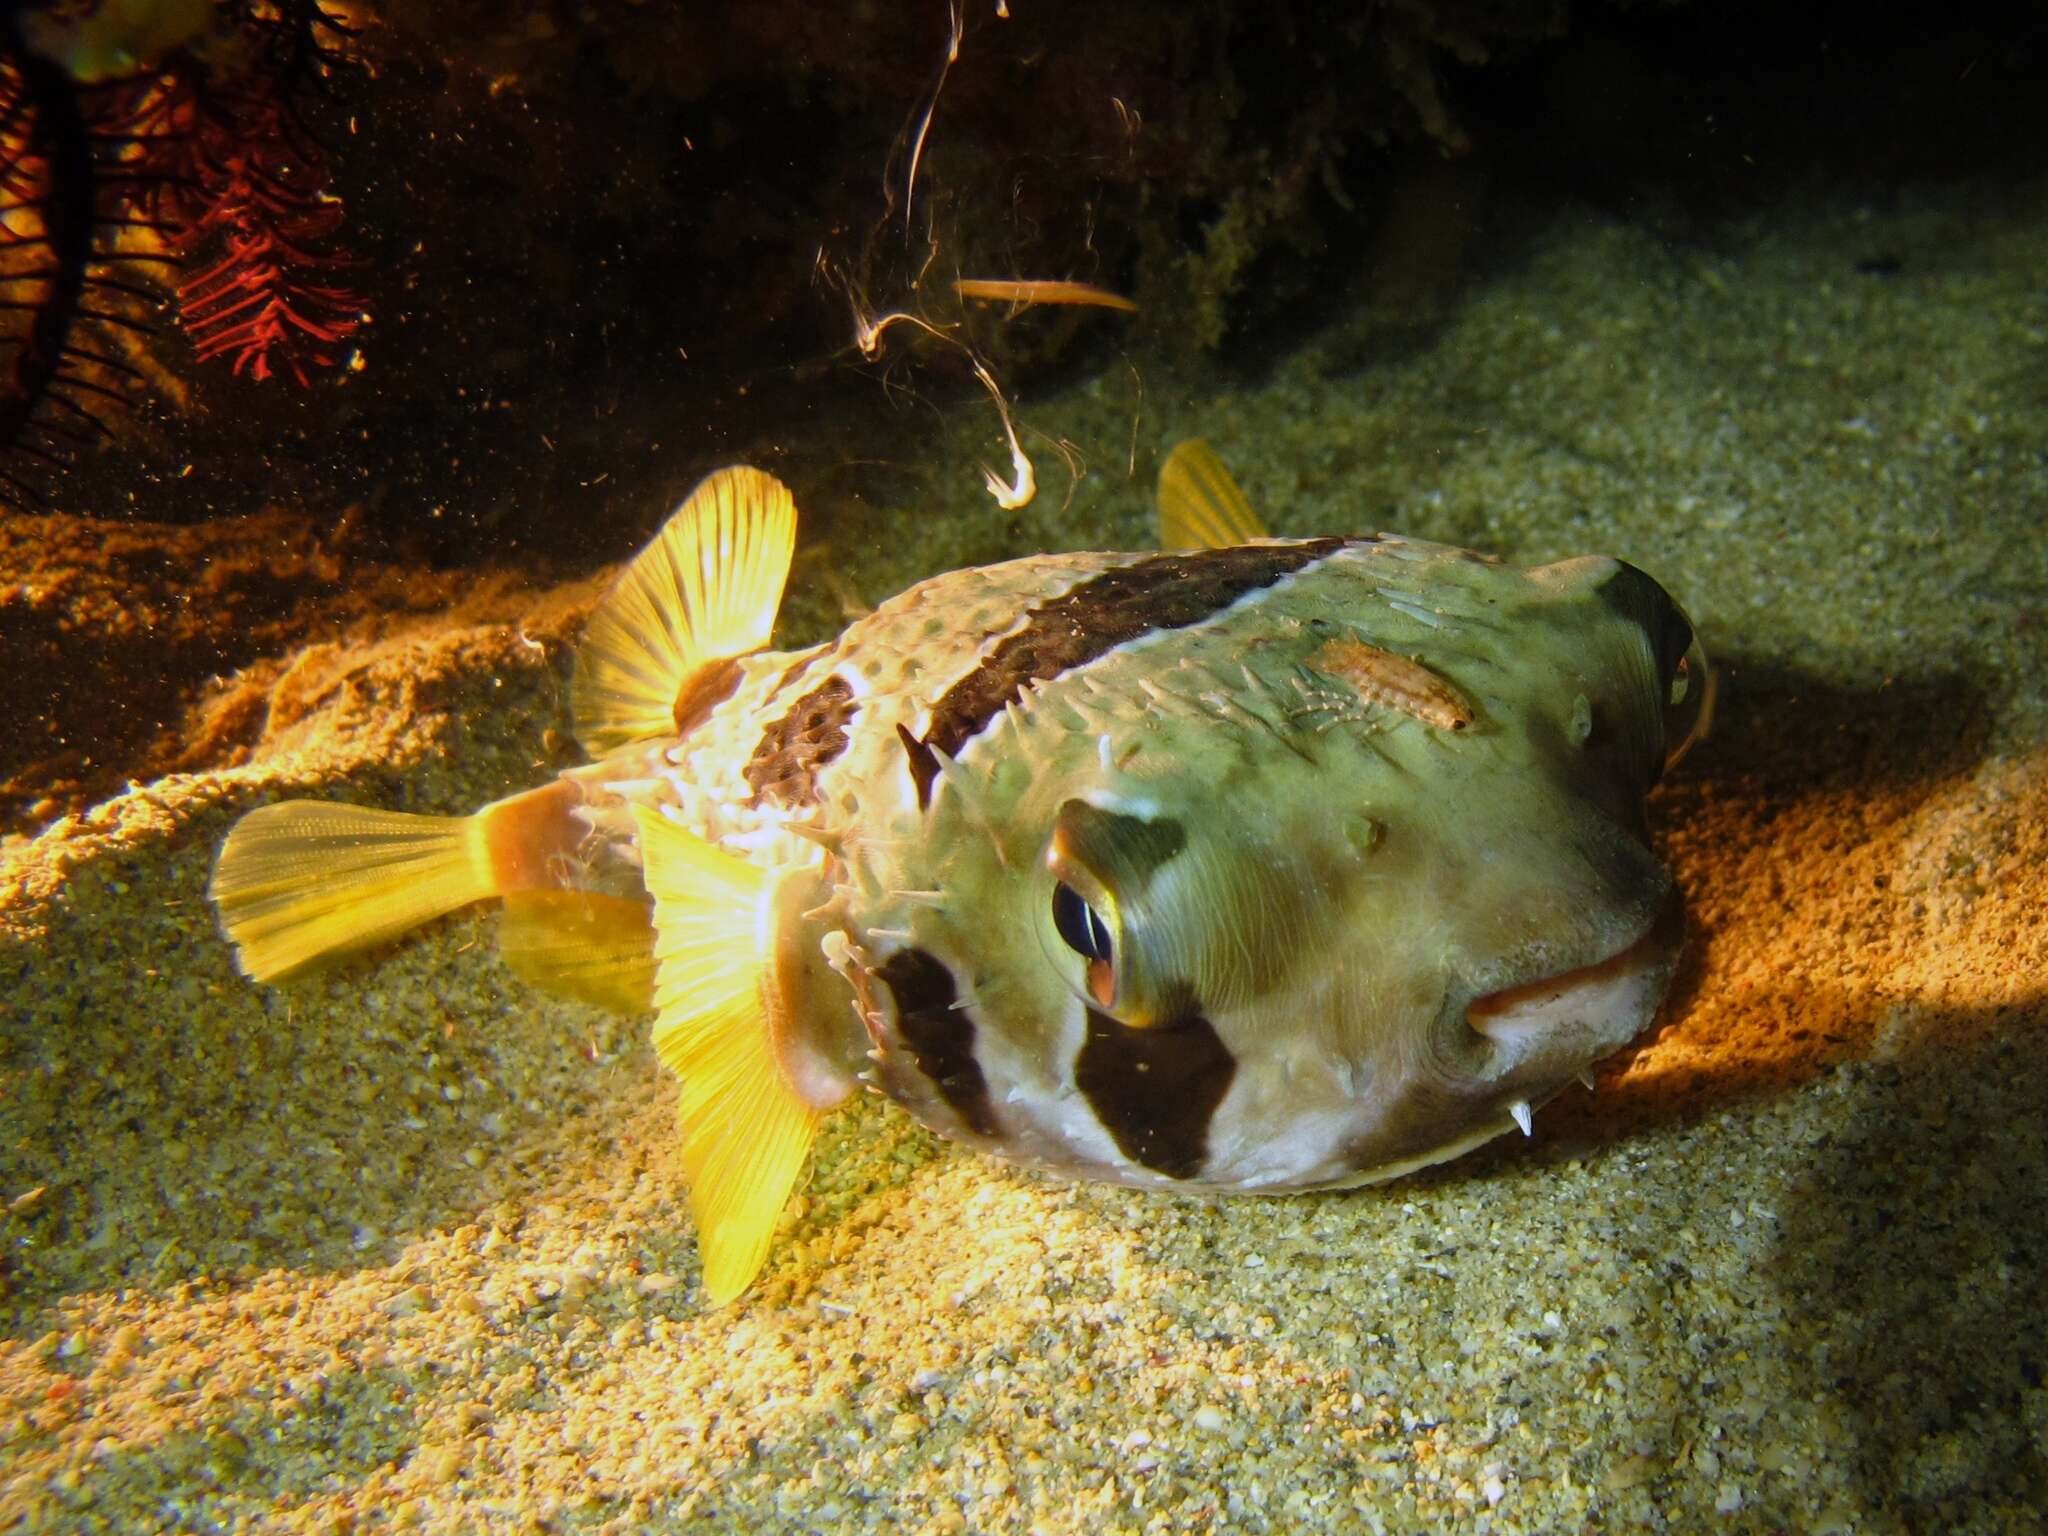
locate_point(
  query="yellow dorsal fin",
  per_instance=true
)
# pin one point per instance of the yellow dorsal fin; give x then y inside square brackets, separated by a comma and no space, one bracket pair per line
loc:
[301,881]
[1200,506]
[703,592]
[745,1131]
[581,945]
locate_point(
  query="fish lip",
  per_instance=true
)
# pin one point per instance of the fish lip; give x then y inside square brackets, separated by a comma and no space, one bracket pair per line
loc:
[1630,983]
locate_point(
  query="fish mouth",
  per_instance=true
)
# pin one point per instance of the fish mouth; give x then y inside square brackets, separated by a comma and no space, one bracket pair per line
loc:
[1587,1011]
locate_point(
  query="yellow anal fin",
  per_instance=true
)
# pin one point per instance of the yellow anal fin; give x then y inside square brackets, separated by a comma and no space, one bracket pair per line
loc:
[703,592]
[582,945]
[745,1131]
[302,881]
[1200,506]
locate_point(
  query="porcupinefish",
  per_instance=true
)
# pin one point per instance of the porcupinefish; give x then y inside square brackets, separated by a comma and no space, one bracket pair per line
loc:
[1254,864]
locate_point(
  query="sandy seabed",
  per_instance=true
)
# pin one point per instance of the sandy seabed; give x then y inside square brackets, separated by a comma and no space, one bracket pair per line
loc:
[404,1246]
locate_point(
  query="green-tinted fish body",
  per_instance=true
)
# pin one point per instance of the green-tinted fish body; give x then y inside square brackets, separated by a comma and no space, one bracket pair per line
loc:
[1275,865]
[1321,884]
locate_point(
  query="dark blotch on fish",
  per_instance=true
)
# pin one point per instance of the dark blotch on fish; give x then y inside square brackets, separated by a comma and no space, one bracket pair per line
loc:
[706,689]
[939,1035]
[1637,597]
[1156,1090]
[923,764]
[810,734]
[1168,591]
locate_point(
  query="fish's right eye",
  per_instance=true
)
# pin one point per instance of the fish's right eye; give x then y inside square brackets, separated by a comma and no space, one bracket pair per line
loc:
[1689,703]
[1087,932]
[1079,924]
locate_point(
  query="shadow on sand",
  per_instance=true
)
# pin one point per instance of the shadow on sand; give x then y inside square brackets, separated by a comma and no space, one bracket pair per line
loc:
[1913,1272]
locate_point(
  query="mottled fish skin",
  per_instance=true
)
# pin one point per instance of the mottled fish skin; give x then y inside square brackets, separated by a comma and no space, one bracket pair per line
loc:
[1346,892]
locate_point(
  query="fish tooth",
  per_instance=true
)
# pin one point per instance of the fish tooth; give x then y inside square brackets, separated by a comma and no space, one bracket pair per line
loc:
[1520,1110]
[1586,1081]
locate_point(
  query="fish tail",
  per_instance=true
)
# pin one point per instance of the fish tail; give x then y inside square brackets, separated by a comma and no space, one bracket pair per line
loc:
[305,880]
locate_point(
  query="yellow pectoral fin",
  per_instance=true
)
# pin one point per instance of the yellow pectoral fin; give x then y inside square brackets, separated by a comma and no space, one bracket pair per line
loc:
[581,945]
[1200,506]
[745,1137]
[745,1130]
[703,592]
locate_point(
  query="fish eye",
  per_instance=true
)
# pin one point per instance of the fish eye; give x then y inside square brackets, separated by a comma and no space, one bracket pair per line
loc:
[1689,704]
[1085,931]
[1079,924]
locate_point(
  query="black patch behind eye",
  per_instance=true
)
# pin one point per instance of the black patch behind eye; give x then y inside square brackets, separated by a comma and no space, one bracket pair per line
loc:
[1156,1090]
[940,1036]
[811,733]
[1169,591]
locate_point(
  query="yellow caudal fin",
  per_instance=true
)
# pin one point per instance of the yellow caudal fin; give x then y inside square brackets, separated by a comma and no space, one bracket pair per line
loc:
[745,1130]
[703,592]
[581,945]
[301,881]
[1200,506]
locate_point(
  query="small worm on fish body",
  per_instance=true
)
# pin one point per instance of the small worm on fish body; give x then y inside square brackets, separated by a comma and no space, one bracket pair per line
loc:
[1397,682]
